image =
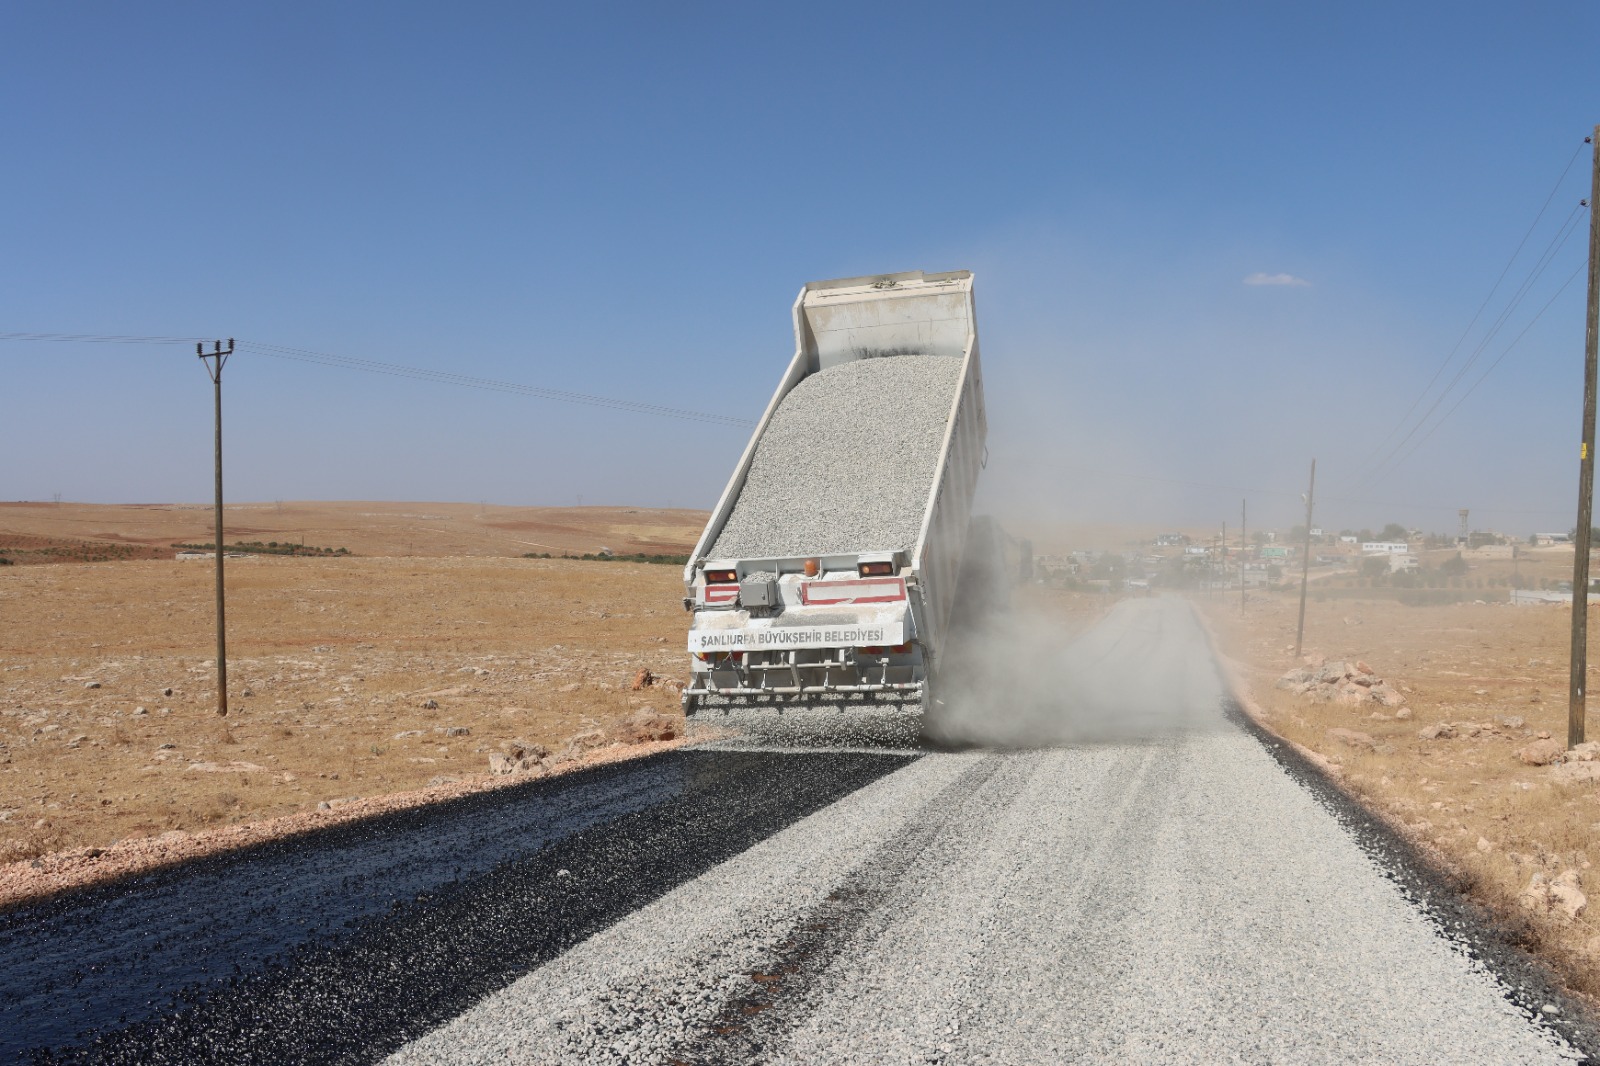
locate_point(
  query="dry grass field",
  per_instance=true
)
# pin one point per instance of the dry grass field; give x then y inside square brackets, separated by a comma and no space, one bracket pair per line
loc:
[349,677]
[366,529]
[1482,682]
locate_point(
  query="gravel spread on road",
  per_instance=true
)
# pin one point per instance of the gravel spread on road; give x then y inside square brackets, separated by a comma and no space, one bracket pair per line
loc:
[847,462]
[1177,899]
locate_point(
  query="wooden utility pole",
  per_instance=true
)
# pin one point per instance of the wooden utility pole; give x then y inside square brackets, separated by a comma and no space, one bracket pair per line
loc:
[214,361]
[1580,557]
[1305,561]
[1244,545]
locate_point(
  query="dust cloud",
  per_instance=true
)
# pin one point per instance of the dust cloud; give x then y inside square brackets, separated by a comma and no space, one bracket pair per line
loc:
[1018,679]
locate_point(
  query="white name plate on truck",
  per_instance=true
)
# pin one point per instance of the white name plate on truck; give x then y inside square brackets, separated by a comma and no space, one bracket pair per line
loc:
[770,638]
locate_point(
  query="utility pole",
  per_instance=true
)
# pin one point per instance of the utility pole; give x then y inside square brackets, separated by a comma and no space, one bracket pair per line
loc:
[215,360]
[1244,545]
[1580,555]
[1305,561]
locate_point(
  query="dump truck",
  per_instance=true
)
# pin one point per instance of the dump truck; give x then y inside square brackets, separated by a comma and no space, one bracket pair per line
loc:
[828,570]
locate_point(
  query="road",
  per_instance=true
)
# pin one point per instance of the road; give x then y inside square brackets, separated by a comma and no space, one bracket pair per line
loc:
[1126,872]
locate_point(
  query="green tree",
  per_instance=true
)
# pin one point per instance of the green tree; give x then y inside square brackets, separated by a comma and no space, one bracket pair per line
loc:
[1455,566]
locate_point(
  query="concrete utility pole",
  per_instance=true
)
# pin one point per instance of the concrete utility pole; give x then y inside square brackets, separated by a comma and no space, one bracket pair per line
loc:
[1305,561]
[1580,555]
[214,361]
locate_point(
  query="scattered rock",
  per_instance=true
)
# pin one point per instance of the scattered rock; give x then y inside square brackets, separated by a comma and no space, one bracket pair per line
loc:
[404,733]
[247,692]
[575,686]
[1363,668]
[519,757]
[1567,895]
[430,705]
[1352,738]
[1542,752]
[1437,731]
[1543,734]
[139,711]
[1588,751]
[643,679]
[1333,672]
[224,767]
[646,725]
[1510,721]
[1403,713]
[166,692]
[1386,695]
[1484,845]
[458,731]
[91,684]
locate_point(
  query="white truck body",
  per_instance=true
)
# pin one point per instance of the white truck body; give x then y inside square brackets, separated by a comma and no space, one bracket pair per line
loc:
[857,625]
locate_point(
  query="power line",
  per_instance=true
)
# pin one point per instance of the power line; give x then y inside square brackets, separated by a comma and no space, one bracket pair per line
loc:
[1479,312]
[373,366]
[1372,472]
[1570,279]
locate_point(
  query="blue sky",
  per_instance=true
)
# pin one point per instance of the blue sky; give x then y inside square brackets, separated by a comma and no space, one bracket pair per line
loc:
[623,200]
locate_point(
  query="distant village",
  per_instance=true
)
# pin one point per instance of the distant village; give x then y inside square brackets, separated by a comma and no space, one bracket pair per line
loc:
[1412,565]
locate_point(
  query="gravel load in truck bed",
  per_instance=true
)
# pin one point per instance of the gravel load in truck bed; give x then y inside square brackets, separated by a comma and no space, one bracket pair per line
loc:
[847,462]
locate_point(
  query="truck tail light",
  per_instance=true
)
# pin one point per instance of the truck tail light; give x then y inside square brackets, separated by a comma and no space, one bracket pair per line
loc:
[874,649]
[722,577]
[902,649]
[883,569]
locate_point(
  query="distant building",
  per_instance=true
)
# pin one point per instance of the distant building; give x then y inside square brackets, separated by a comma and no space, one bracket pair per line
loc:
[1349,539]
[1398,563]
[1385,547]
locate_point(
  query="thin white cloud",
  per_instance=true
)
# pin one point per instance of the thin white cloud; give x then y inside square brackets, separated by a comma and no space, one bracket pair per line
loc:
[1275,279]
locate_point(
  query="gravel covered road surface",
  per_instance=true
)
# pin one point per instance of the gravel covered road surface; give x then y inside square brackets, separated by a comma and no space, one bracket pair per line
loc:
[1190,894]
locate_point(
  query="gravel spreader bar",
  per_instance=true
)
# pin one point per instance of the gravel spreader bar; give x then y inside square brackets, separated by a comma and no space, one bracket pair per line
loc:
[847,462]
